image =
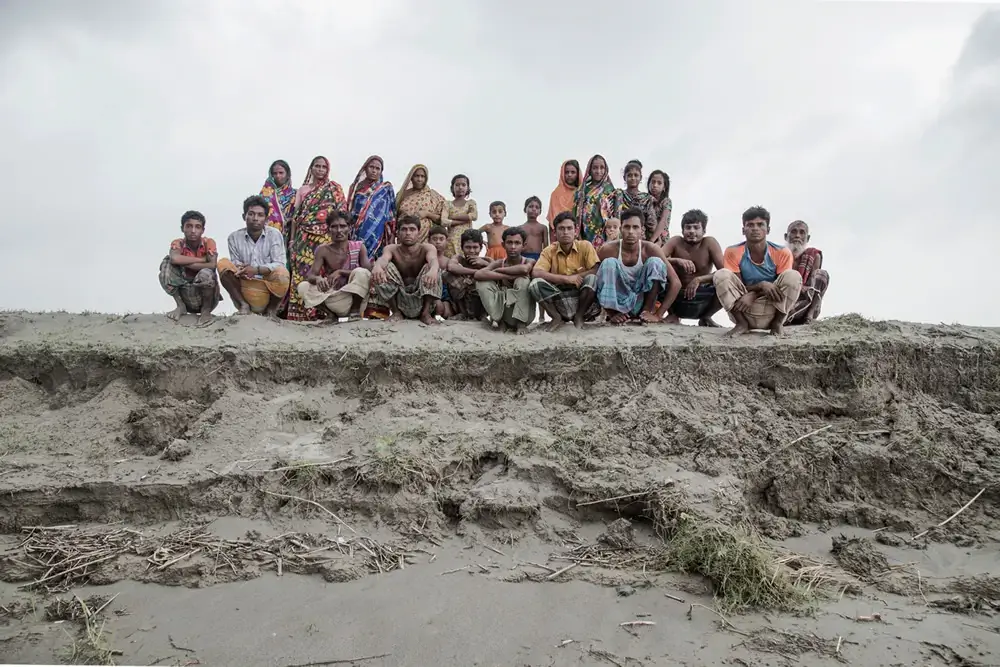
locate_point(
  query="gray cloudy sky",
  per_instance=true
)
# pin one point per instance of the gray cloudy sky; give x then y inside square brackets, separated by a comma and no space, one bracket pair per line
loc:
[875,122]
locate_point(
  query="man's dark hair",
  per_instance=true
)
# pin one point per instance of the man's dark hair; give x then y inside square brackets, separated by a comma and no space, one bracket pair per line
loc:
[565,215]
[633,213]
[498,203]
[337,214]
[530,199]
[757,212]
[256,200]
[437,230]
[410,220]
[515,231]
[666,181]
[693,216]
[470,235]
[473,235]
[193,215]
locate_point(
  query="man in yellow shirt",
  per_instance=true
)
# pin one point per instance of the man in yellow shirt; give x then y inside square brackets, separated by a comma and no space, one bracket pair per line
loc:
[564,278]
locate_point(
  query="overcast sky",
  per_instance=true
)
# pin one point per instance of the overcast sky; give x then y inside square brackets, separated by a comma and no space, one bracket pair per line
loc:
[877,123]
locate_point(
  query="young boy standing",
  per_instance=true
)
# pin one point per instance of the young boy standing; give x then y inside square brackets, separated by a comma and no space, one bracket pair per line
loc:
[438,237]
[461,283]
[536,235]
[494,231]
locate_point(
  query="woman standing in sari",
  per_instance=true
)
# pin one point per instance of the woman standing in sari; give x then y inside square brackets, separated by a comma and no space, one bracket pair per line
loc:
[595,201]
[372,203]
[563,198]
[660,207]
[419,199]
[314,201]
[278,191]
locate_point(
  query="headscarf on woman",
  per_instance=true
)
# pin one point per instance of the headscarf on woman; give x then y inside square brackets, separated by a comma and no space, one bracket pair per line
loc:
[309,231]
[595,203]
[372,205]
[281,196]
[563,198]
[420,202]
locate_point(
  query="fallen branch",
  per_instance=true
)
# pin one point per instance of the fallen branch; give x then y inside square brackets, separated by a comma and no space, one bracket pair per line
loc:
[179,648]
[675,598]
[319,464]
[315,504]
[725,620]
[562,571]
[341,661]
[627,496]
[946,521]
[629,624]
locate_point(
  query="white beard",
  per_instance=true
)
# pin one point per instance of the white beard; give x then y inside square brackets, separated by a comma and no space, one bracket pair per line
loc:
[797,248]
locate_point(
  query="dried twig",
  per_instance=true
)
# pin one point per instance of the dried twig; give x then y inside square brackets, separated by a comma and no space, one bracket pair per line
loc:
[562,571]
[629,624]
[784,447]
[314,503]
[320,464]
[725,620]
[675,598]
[946,521]
[340,661]
[627,496]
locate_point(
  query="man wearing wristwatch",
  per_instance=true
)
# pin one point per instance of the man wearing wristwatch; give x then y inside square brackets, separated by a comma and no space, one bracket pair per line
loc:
[255,275]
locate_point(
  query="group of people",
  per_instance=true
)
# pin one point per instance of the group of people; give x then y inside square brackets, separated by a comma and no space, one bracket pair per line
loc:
[311,253]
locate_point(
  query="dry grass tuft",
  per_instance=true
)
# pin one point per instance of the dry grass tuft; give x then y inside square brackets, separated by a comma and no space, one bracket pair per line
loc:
[391,467]
[92,647]
[743,572]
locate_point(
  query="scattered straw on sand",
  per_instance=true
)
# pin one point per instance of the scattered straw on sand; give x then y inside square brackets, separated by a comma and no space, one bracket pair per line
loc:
[58,558]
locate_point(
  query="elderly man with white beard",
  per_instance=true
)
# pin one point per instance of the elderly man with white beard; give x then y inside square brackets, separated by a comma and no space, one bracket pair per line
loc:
[815,279]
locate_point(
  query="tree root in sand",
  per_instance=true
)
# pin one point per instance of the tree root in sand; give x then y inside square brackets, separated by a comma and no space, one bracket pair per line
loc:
[57,560]
[792,645]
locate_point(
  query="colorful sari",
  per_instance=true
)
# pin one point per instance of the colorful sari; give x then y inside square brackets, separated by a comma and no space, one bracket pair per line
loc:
[309,231]
[372,210]
[656,209]
[281,198]
[410,201]
[595,205]
[563,198]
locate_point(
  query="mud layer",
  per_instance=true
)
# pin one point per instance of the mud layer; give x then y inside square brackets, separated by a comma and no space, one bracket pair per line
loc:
[373,458]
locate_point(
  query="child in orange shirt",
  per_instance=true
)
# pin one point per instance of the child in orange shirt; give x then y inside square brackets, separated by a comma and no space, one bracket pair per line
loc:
[494,231]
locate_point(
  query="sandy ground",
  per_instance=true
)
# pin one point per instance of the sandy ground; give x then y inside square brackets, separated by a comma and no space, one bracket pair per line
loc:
[456,447]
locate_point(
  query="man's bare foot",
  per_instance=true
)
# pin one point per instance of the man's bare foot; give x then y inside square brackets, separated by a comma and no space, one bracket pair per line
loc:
[176,313]
[738,330]
[707,322]
[427,318]
[778,328]
[204,319]
[395,316]
[672,319]
[521,329]
[459,317]
[615,318]
[578,320]
[354,317]
[648,317]
[244,309]
[504,327]
[554,325]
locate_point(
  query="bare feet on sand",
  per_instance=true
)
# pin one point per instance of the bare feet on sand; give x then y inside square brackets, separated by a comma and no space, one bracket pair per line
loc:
[617,319]
[554,325]
[738,330]
[354,317]
[778,329]
[244,309]
[671,319]
[205,319]
[395,316]
[427,318]
[521,329]
[707,322]
[578,320]
[648,318]
[176,313]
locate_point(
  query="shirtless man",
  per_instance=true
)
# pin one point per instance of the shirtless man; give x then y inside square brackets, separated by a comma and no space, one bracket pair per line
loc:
[757,285]
[815,279]
[407,276]
[503,285]
[696,257]
[187,273]
[633,273]
[338,282]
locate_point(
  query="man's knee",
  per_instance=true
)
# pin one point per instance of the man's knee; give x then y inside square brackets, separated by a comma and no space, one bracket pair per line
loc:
[226,266]
[589,282]
[790,279]
[205,278]
[723,277]
[536,286]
